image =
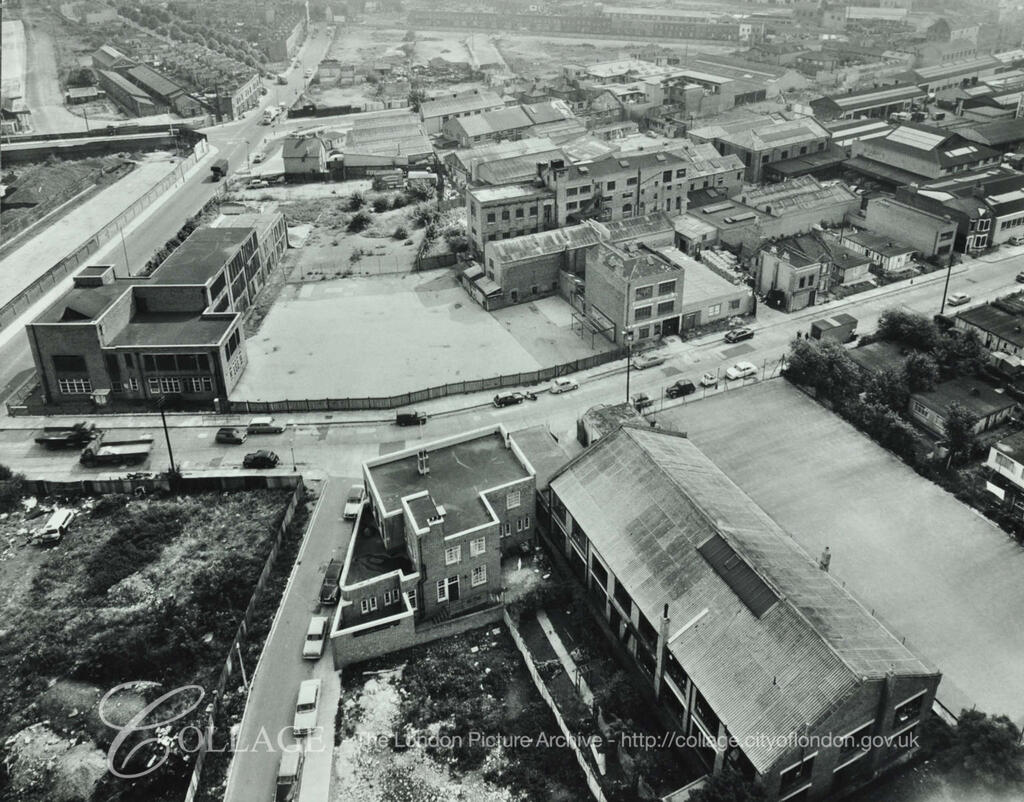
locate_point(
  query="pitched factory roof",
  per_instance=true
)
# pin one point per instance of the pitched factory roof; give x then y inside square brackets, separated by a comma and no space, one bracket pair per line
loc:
[476,101]
[492,122]
[870,98]
[772,642]
[542,243]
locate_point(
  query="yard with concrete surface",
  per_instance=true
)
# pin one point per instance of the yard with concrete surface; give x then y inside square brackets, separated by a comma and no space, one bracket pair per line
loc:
[932,569]
[385,335]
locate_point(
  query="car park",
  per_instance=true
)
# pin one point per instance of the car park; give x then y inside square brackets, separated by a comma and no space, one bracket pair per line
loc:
[260,459]
[508,399]
[329,588]
[736,335]
[563,385]
[230,435]
[648,360]
[264,425]
[741,370]
[958,298]
[306,707]
[709,380]
[289,775]
[354,501]
[316,636]
[410,418]
[681,388]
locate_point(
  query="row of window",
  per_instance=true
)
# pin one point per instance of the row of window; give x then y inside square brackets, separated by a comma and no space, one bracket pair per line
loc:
[391,598]
[646,312]
[448,588]
[664,288]
[453,554]
[1012,223]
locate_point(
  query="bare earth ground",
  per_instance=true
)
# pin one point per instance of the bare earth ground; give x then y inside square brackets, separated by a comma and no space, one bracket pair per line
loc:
[388,335]
[368,769]
[934,570]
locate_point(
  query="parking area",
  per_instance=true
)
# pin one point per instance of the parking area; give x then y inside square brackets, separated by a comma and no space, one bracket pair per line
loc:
[932,569]
[386,335]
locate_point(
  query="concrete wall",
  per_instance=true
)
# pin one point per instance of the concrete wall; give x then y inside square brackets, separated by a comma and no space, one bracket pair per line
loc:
[928,235]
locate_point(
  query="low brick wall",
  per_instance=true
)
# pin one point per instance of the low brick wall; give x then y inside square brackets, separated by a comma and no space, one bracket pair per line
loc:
[349,649]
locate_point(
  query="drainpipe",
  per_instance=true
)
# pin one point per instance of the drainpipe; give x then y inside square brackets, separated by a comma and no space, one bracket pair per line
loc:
[659,668]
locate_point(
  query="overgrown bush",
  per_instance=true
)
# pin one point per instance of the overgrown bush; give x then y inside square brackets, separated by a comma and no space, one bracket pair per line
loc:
[12,488]
[109,504]
[400,233]
[457,241]
[400,200]
[359,222]
[356,201]
[550,594]
[380,205]
[424,216]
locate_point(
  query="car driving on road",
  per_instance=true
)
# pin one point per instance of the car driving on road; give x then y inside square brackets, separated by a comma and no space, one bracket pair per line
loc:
[231,435]
[563,385]
[741,370]
[260,459]
[957,298]
[264,425]
[649,360]
[736,335]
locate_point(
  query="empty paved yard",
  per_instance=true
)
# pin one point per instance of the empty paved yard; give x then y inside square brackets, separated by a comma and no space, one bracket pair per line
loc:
[386,335]
[935,571]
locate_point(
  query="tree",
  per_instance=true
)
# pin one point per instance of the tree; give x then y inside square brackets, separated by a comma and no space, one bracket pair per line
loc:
[921,371]
[889,388]
[416,97]
[826,367]
[359,222]
[986,750]
[728,786]
[356,201]
[959,353]
[959,428]
[908,328]
[82,76]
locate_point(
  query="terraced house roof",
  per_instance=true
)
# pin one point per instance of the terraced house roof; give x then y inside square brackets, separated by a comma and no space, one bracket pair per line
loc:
[772,642]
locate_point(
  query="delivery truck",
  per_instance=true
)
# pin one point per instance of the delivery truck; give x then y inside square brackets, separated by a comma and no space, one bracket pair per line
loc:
[107,451]
[74,436]
[841,328]
[220,169]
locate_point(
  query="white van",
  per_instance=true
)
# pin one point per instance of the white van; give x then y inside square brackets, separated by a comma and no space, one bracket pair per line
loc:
[56,525]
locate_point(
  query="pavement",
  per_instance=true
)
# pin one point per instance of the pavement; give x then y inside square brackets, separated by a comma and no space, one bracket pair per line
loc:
[43,94]
[265,728]
[12,58]
[67,233]
[931,568]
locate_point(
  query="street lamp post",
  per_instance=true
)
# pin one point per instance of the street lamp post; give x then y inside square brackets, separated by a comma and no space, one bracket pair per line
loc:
[160,402]
[945,289]
[627,335]
[291,446]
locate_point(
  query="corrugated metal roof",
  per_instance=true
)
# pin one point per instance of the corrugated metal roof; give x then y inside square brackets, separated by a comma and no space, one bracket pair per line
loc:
[648,500]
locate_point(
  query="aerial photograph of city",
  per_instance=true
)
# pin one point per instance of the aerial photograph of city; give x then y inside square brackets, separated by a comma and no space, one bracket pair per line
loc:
[522,401]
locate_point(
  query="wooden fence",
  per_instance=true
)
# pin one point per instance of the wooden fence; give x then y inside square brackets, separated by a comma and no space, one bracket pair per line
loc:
[417,396]
[240,637]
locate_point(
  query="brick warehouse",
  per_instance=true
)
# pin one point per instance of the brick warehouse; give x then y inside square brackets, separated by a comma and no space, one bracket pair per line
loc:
[745,642]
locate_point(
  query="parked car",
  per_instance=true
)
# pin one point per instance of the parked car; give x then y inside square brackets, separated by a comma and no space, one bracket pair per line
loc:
[1016,240]
[642,401]
[329,588]
[306,707]
[354,501]
[410,418]
[680,388]
[264,425]
[260,459]
[1020,277]
[52,532]
[957,298]
[736,335]
[257,183]
[508,399]
[308,73]
[289,775]
[563,385]
[648,360]
[316,635]
[709,380]
[229,434]
[257,158]
[741,370]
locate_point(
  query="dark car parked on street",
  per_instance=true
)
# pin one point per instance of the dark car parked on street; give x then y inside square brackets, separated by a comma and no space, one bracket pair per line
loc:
[680,388]
[410,418]
[260,459]
[742,333]
[330,589]
[227,434]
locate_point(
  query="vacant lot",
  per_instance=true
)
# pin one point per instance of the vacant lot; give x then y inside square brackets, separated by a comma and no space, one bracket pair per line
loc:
[148,591]
[386,335]
[404,730]
[930,567]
